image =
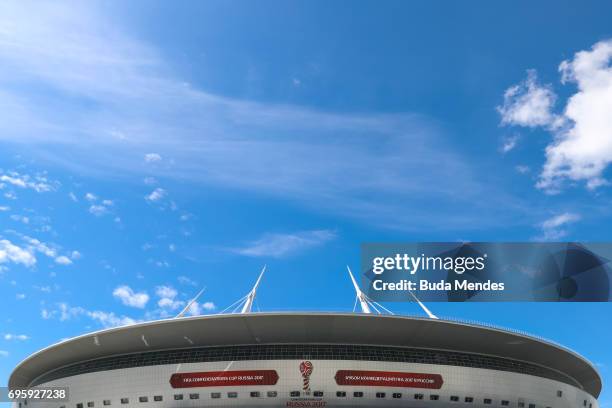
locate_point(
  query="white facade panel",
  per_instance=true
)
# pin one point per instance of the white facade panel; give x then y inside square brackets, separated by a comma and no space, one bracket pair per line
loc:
[461,382]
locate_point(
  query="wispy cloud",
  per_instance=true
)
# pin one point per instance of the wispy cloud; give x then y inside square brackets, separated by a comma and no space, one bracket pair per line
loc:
[16,337]
[522,169]
[129,297]
[184,280]
[280,245]
[38,183]
[63,260]
[10,252]
[375,167]
[99,207]
[509,143]
[64,312]
[197,308]
[150,181]
[20,218]
[554,228]
[98,210]
[152,157]
[169,303]
[156,195]
[25,253]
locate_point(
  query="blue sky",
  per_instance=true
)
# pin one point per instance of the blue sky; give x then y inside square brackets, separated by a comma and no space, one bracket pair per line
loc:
[150,149]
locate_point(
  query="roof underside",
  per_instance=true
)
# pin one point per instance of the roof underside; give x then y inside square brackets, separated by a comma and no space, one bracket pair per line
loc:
[279,328]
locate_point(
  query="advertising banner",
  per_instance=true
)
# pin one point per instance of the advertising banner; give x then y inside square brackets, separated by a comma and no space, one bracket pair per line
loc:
[224,378]
[388,379]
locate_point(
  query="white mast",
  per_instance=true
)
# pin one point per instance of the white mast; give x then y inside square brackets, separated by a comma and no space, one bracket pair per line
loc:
[365,308]
[191,302]
[425,309]
[367,304]
[248,304]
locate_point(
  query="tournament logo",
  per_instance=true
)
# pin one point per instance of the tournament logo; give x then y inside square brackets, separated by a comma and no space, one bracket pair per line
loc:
[306,370]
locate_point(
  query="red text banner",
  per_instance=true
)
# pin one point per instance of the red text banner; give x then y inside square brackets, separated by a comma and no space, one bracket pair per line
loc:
[388,379]
[224,378]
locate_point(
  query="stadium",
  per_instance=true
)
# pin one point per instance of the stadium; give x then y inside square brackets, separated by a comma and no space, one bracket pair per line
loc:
[309,360]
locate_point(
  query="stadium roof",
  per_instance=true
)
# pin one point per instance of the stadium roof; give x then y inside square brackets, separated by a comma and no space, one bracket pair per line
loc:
[300,328]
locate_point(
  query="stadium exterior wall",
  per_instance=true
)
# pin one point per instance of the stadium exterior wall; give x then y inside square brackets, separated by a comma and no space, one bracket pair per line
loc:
[503,369]
[519,390]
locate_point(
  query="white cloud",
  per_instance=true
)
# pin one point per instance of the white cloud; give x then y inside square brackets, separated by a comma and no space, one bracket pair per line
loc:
[528,104]
[107,319]
[169,303]
[98,210]
[20,296]
[583,150]
[26,254]
[150,181]
[197,309]
[162,264]
[4,208]
[152,157]
[156,195]
[279,245]
[554,228]
[560,220]
[130,298]
[167,298]
[172,304]
[166,292]
[20,218]
[63,260]
[73,197]
[522,169]
[509,143]
[4,353]
[10,252]
[39,246]
[184,280]
[40,184]
[16,337]
[75,255]
[67,312]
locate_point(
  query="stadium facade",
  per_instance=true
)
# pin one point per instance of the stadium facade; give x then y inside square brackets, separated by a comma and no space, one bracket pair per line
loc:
[309,360]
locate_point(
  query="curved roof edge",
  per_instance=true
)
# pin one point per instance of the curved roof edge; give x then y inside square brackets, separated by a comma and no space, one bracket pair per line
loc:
[310,327]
